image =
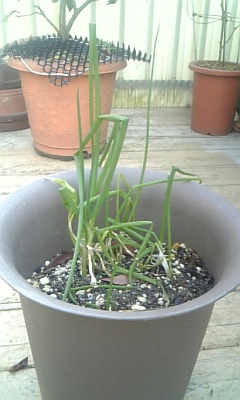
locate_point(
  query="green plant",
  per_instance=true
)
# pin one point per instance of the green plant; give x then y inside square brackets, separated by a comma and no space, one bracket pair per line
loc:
[122,232]
[66,8]
[229,25]
[62,55]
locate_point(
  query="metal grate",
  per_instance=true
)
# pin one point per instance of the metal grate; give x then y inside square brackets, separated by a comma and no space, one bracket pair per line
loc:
[63,60]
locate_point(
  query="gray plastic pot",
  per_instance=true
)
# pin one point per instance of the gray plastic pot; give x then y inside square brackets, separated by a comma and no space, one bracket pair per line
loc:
[85,354]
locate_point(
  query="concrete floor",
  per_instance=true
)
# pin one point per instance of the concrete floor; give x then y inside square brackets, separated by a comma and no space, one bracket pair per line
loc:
[217,161]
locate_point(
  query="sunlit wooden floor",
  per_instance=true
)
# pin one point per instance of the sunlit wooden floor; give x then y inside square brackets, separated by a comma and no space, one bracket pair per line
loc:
[217,161]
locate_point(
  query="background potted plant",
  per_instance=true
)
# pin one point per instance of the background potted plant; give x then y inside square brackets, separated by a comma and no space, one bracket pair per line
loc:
[52,68]
[92,353]
[216,86]
[13,114]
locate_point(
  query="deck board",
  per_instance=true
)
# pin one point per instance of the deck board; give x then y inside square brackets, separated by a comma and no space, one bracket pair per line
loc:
[216,160]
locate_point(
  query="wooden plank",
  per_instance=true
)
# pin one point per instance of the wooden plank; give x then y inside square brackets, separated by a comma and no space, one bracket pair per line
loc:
[22,385]
[11,355]
[13,330]
[216,160]
[216,375]
[222,336]
[224,325]
[7,295]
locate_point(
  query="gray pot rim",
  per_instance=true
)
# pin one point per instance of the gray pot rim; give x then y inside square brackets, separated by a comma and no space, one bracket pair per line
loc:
[18,283]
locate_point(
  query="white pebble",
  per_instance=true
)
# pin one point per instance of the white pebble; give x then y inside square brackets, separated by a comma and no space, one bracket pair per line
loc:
[47,263]
[46,289]
[136,307]
[143,286]
[80,292]
[100,301]
[44,280]
[161,301]
[141,299]
[57,272]
[53,295]
[177,272]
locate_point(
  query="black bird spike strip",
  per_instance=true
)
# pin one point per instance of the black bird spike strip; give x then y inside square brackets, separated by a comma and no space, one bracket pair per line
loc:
[71,57]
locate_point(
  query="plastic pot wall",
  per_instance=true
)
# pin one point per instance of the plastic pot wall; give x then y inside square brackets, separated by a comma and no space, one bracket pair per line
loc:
[81,353]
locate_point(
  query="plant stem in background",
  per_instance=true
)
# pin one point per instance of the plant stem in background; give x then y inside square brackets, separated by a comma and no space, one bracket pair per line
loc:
[229,25]
[63,29]
[222,50]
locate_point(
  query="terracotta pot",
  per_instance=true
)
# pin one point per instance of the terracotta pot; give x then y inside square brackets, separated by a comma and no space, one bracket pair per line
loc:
[215,96]
[84,354]
[52,110]
[9,78]
[13,114]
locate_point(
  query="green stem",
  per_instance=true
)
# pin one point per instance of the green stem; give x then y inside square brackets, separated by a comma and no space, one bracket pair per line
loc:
[110,287]
[147,136]
[139,255]
[62,20]
[100,286]
[76,13]
[79,232]
[167,199]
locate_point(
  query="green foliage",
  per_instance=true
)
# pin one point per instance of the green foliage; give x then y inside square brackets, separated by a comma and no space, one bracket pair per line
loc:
[120,232]
[63,29]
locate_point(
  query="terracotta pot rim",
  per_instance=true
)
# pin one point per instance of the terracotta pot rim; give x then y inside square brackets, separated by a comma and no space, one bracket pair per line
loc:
[193,65]
[28,65]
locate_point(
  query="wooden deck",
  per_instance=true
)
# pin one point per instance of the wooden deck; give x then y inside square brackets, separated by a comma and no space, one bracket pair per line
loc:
[217,161]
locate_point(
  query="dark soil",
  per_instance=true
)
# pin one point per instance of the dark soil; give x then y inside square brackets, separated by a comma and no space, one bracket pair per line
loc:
[228,66]
[189,280]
